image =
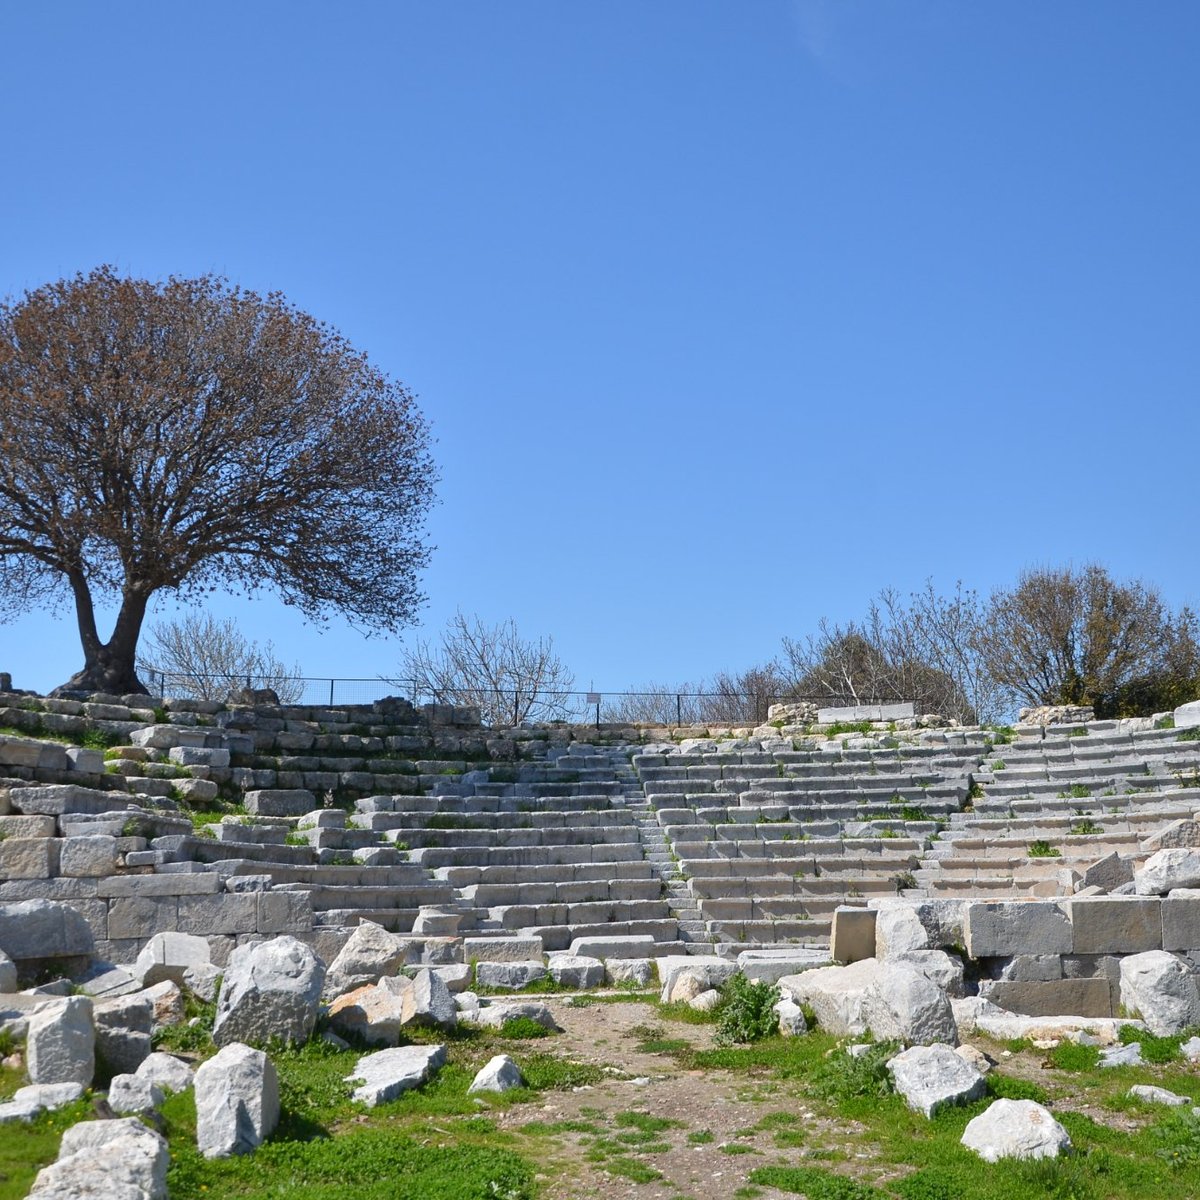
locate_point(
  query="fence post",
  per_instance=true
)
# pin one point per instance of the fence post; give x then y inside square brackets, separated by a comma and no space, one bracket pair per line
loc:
[516,708]
[678,709]
[331,693]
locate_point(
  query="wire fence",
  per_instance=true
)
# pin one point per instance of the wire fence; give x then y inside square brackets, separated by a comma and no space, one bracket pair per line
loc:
[499,706]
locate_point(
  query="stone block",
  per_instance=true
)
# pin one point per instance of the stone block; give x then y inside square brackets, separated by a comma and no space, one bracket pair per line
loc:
[218,914]
[1177,835]
[280,802]
[193,756]
[29,858]
[91,857]
[867,712]
[853,936]
[142,917]
[1115,924]
[1181,921]
[1005,927]
[26,827]
[1050,998]
[199,883]
[90,762]
[1032,968]
[1187,716]
[58,798]
[35,929]
[505,949]
[284,912]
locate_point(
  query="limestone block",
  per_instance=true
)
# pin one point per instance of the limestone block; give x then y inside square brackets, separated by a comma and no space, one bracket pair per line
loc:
[1032,968]
[92,856]
[853,935]
[28,858]
[1111,871]
[167,1003]
[636,972]
[792,1022]
[167,1072]
[891,1000]
[280,802]
[1005,927]
[499,1074]
[27,827]
[237,1101]
[123,1029]
[175,883]
[169,955]
[1163,989]
[119,1159]
[771,963]
[944,970]
[271,989]
[60,1043]
[163,737]
[931,1078]
[90,762]
[1175,867]
[428,1002]
[1149,1094]
[284,912]
[388,1073]
[194,756]
[509,975]
[1187,716]
[50,1096]
[1015,1129]
[434,921]
[505,949]
[34,929]
[493,1016]
[218,914]
[1049,998]
[1115,924]
[142,917]
[199,791]
[373,1013]
[134,1094]
[576,971]
[368,954]
[57,798]
[1181,920]
[8,974]
[1178,834]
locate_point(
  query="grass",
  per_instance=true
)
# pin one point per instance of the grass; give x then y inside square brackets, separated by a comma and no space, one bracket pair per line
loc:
[1042,849]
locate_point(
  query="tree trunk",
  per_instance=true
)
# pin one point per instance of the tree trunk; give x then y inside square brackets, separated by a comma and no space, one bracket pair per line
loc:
[107,666]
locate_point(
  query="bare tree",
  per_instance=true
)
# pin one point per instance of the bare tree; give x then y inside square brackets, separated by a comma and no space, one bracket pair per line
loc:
[654,704]
[186,436]
[203,657]
[509,678]
[1076,636]
[925,649]
[726,699]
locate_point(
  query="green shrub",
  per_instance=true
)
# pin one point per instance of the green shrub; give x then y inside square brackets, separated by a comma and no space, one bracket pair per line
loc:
[1068,1056]
[842,1077]
[747,1012]
[1042,849]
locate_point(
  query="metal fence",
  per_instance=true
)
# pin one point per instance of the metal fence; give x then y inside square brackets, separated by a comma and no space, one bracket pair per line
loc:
[499,706]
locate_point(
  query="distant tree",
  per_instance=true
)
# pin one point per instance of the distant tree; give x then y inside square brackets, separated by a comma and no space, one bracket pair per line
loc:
[205,658]
[509,678]
[1070,635]
[727,698]
[924,648]
[186,436]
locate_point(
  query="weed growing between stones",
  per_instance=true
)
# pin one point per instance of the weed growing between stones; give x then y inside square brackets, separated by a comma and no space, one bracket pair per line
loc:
[747,1012]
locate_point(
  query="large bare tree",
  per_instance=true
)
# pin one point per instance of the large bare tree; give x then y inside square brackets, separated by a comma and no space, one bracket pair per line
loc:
[188,436]
[508,677]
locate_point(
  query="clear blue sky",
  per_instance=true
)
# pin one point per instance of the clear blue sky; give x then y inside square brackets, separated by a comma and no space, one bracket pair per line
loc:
[725,315]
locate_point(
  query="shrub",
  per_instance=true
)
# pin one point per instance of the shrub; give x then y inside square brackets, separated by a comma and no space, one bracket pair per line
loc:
[1042,849]
[748,1011]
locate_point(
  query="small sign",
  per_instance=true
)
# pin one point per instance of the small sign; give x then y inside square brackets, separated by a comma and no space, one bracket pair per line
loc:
[593,697]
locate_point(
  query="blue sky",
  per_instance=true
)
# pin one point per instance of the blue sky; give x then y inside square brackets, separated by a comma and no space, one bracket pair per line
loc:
[725,315]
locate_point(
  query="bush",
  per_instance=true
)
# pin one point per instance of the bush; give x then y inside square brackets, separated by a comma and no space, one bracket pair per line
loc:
[748,1011]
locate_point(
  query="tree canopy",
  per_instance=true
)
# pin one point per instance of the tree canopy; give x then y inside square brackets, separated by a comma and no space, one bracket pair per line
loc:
[189,436]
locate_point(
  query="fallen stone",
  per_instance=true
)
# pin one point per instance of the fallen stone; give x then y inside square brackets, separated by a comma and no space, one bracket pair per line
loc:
[500,1074]
[931,1078]
[508,975]
[1122,1056]
[375,1013]
[167,1003]
[169,956]
[60,1045]
[493,1016]
[203,980]
[1015,1129]
[49,1096]
[974,1056]
[237,1101]
[683,987]
[119,1159]
[8,974]
[166,1071]
[270,990]
[133,1094]
[369,953]
[123,1029]
[1161,988]
[791,1018]
[1108,872]
[891,1000]
[1175,867]
[36,929]
[944,970]
[706,1001]
[771,963]
[576,970]
[1149,1094]
[428,1002]
[1191,1049]
[386,1074]
[629,972]
[15,1110]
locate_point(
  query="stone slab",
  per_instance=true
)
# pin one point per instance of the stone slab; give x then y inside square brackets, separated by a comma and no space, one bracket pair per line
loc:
[1051,998]
[1116,924]
[867,712]
[1005,927]
[853,936]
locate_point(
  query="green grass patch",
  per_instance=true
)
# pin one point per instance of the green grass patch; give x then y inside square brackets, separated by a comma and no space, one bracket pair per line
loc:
[816,1183]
